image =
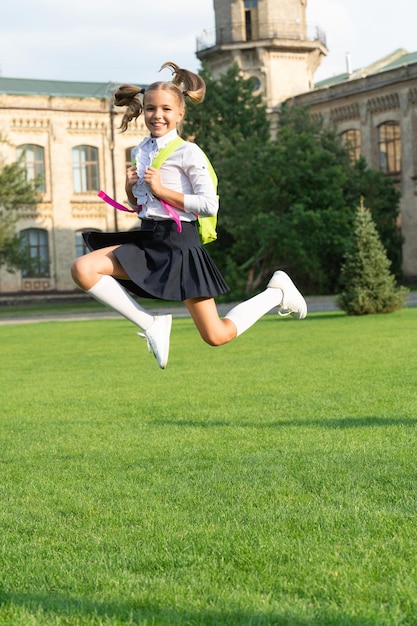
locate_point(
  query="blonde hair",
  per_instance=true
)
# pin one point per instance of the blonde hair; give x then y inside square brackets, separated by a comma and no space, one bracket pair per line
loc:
[184,84]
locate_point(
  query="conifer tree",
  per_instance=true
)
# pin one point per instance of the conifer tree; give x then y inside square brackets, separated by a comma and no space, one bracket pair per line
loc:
[367,284]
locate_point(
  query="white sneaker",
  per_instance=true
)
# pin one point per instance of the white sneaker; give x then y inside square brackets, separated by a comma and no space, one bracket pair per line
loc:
[293,302]
[157,338]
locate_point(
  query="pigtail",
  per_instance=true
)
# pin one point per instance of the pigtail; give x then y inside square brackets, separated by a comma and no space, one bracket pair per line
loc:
[191,85]
[184,84]
[129,96]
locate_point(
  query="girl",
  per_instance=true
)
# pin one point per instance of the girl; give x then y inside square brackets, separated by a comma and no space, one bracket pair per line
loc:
[164,259]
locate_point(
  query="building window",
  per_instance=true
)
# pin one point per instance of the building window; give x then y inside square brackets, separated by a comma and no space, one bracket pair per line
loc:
[36,253]
[80,246]
[251,20]
[389,147]
[33,161]
[351,140]
[85,169]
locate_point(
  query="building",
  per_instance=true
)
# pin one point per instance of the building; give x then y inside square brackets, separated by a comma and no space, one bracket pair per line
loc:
[68,135]
[374,109]
[375,112]
[271,43]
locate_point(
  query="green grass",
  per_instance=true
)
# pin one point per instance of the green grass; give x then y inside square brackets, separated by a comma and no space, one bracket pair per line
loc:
[271,481]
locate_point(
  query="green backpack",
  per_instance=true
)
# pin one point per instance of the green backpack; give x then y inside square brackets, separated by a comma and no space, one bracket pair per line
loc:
[206,226]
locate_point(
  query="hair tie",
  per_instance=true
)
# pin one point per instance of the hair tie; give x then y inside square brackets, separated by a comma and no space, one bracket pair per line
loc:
[185,94]
[142,90]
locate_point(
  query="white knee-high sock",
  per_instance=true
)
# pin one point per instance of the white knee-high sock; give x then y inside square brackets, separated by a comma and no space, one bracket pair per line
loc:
[245,314]
[108,291]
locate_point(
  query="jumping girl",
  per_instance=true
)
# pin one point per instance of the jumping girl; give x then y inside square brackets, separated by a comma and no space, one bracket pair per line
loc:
[164,258]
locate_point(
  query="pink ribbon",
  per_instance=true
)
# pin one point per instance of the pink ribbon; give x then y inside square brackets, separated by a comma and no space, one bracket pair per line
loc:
[114,204]
[172,213]
[120,207]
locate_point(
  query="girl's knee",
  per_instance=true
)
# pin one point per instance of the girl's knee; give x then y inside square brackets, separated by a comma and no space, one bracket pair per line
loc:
[78,267]
[214,341]
[80,270]
[213,330]
[218,337]
[75,269]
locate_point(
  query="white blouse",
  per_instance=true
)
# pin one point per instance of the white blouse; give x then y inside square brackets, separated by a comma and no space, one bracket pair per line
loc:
[185,171]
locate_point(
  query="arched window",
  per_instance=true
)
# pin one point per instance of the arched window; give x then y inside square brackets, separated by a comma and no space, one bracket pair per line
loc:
[33,161]
[36,253]
[389,147]
[351,139]
[80,247]
[85,169]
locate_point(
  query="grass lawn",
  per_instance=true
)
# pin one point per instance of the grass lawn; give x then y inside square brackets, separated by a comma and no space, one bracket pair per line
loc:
[272,481]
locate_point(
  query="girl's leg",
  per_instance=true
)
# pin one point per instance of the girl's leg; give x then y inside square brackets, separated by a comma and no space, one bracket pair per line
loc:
[96,272]
[280,292]
[213,330]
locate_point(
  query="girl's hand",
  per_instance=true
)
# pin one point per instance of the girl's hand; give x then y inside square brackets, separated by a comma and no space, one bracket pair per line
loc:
[131,176]
[152,177]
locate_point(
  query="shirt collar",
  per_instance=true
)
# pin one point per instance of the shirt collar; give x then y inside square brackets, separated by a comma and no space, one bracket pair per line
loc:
[161,142]
[147,144]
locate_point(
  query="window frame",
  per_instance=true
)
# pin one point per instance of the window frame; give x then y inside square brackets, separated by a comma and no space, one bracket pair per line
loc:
[32,157]
[85,169]
[389,158]
[251,26]
[352,141]
[36,253]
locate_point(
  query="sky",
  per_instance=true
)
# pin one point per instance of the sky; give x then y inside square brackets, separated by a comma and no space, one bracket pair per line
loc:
[102,41]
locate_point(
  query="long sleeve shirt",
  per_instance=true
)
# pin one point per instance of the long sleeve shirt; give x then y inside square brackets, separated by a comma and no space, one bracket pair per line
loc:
[185,170]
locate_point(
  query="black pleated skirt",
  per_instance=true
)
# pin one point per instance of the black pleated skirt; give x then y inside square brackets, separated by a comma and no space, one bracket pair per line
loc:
[162,263]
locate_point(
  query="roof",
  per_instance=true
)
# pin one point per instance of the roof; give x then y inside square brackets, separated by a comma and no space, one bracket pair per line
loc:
[62,88]
[394,60]
[78,89]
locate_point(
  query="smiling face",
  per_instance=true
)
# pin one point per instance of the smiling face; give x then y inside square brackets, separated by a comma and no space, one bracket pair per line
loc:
[163,111]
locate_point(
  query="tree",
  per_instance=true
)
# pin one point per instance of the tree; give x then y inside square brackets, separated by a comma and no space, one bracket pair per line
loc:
[297,185]
[289,202]
[230,114]
[382,199]
[367,283]
[15,192]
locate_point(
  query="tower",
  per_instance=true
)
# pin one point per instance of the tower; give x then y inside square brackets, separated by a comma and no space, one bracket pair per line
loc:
[270,42]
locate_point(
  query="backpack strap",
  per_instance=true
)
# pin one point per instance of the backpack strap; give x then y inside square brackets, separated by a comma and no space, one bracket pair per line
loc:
[206,225]
[158,161]
[166,152]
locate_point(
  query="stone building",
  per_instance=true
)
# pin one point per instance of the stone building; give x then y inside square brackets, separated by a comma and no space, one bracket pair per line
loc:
[373,109]
[271,43]
[68,135]
[375,112]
